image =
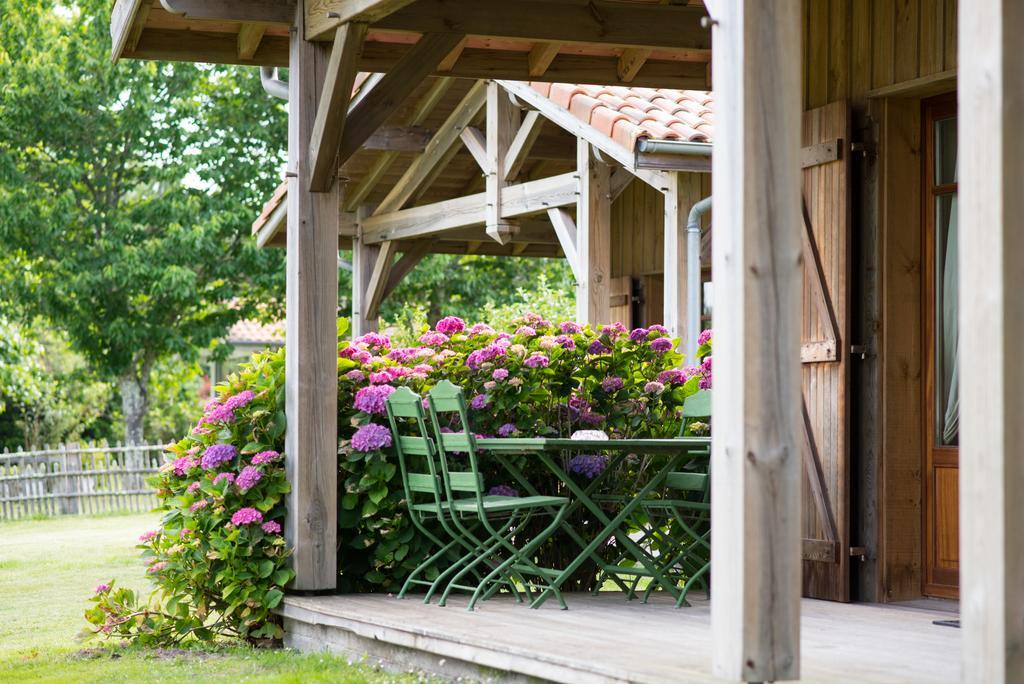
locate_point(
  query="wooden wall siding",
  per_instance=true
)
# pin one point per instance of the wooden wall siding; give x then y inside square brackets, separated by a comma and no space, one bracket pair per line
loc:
[826,191]
[854,46]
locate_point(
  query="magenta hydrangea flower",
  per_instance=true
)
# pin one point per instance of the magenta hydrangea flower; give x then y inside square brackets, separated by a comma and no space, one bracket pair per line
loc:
[157,567]
[220,414]
[526,331]
[193,488]
[423,368]
[507,429]
[184,464]
[102,588]
[146,536]
[199,505]
[371,437]
[363,357]
[356,375]
[537,361]
[654,387]
[638,334]
[346,353]
[373,339]
[433,339]
[704,337]
[478,402]
[265,457]
[230,477]
[246,516]
[502,490]
[500,373]
[480,329]
[380,378]
[566,342]
[184,533]
[613,330]
[449,325]
[488,353]
[371,399]
[661,345]
[247,478]
[271,527]
[570,328]
[217,455]
[612,383]
[673,376]
[597,347]
[239,400]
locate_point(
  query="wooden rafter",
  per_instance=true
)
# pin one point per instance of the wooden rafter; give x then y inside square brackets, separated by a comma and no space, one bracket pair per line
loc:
[332,109]
[367,116]
[356,194]
[280,12]
[540,57]
[518,200]
[324,16]
[438,152]
[449,61]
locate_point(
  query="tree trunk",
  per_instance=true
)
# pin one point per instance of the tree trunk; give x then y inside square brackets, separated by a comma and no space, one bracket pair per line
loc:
[134,404]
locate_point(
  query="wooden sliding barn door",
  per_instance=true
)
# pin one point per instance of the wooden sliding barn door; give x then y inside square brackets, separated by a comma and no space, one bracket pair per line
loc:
[824,352]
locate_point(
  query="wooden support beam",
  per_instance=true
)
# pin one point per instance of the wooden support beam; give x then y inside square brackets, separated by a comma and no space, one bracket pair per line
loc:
[674,253]
[593,238]
[452,58]
[439,151]
[631,61]
[324,16]
[522,143]
[597,22]
[619,181]
[567,234]
[476,143]
[376,287]
[519,200]
[503,120]
[332,110]
[356,194]
[755,500]
[311,335]
[406,264]
[991,249]
[541,56]
[250,35]
[364,257]
[279,12]
[368,115]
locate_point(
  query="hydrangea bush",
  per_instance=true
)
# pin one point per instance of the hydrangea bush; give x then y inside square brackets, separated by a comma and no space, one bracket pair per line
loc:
[218,559]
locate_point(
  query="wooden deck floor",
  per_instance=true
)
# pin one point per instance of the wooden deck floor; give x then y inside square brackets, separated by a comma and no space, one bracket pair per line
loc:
[606,639]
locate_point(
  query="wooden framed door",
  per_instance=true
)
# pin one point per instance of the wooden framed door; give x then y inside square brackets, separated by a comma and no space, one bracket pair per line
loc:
[940,403]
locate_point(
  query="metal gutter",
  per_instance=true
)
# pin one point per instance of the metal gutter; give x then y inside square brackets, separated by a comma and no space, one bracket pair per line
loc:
[693,270]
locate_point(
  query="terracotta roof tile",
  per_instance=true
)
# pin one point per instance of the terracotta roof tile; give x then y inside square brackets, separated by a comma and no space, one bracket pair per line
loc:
[252,332]
[280,193]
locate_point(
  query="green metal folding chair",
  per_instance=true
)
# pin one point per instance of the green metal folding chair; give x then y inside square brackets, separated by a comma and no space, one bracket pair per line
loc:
[426,502]
[494,522]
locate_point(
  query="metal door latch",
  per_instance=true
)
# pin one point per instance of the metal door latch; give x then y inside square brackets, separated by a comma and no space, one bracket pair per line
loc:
[859,350]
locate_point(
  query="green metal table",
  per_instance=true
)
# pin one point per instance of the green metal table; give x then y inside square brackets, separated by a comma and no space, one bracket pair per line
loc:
[676,451]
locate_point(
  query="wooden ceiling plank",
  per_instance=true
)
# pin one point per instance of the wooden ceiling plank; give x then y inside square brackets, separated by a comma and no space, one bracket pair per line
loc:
[438,152]
[332,110]
[280,12]
[540,57]
[397,84]
[597,22]
[250,35]
[522,143]
[324,16]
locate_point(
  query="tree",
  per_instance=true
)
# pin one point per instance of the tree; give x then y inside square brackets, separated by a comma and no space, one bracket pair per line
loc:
[126,194]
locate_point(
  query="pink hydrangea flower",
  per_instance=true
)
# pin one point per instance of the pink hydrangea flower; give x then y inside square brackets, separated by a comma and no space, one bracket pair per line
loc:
[184,533]
[480,329]
[102,588]
[183,465]
[526,331]
[199,505]
[704,337]
[373,339]
[653,387]
[246,516]
[193,488]
[371,399]
[537,361]
[157,567]
[433,339]
[239,400]
[271,527]
[264,457]
[230,477]
[500,373]
[570,327]
[146,536]
[355,375]
[449,325]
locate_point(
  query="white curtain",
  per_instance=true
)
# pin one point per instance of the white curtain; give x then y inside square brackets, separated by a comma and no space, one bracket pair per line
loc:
[948,347]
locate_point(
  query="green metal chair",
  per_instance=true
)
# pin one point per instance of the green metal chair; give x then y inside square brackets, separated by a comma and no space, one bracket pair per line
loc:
[426,502]
[489,521]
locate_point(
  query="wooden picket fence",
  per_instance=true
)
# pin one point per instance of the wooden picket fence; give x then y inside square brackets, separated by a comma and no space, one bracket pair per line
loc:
[74,479]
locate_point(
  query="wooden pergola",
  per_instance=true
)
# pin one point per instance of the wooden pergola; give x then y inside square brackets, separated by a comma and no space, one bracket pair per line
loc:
[757,255]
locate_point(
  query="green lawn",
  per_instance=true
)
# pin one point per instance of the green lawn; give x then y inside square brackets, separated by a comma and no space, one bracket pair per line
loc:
[48,569]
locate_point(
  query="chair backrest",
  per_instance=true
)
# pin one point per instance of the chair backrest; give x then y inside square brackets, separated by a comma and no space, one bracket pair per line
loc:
[697,407]
[417,455]
[457,446]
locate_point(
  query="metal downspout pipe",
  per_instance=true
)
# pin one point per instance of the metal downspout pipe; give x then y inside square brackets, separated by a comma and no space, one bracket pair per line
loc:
[274,86]
[693,284]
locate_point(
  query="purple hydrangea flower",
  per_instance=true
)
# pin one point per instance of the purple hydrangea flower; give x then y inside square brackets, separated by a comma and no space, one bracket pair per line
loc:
[661,345]
[526,331]
[566,342]
[588,465]
[502,490]
[591,418]
[478,402]
[230,477]
[363,357]
[639,334]
[537,361]
[239,400]
[356,375]
[433,339]
[371,399]
[219,414]
[500,373]
[246,516]
[193,488]
[673,376]
[660,329]
[612,383]
[507,429]
[596,347]
[613,330]
[371,437]
[248,478]
[654,387]
[480,329]
[380,378]
[265,457]
[217,455]
[482,356]
[704,337]
[403,355]
[449,325]
[271,527]
[570,328]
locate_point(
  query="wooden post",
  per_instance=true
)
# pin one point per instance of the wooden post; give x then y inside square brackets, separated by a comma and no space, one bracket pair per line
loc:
[756,566]
[593,238]
[676,209]
[502,123]
[311,357]
[991,245]
[364,257]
